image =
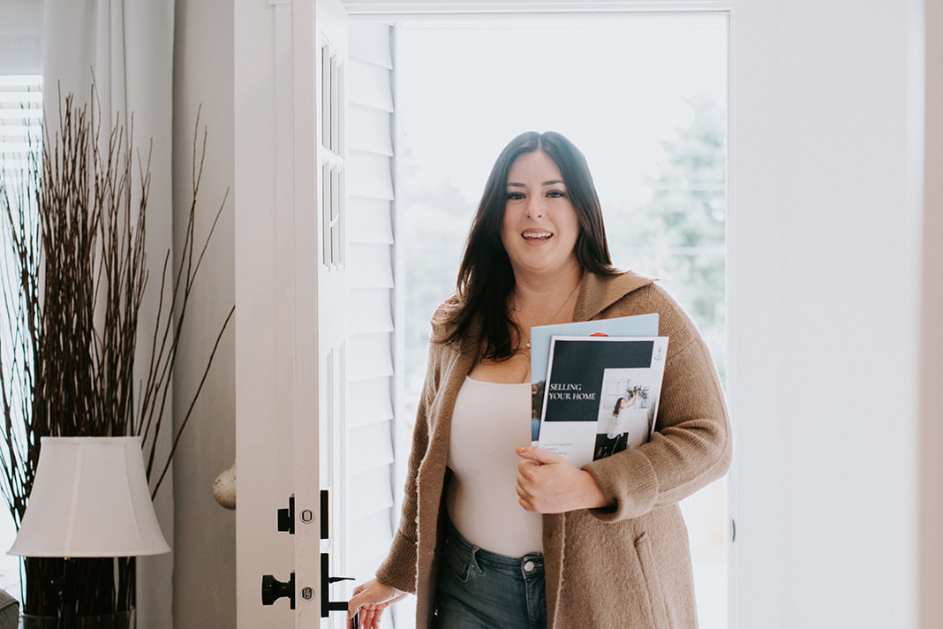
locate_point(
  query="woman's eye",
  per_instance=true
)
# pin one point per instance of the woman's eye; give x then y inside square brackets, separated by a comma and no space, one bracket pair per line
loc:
[514,196]
[556,194]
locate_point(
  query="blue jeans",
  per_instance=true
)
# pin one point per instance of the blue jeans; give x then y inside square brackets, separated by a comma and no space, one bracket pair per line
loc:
[482,590]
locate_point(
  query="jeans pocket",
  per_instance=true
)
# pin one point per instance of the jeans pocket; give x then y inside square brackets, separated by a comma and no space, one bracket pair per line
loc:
[457,563]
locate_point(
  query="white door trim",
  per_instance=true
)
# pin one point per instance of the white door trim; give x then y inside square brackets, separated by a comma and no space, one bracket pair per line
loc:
[392,9]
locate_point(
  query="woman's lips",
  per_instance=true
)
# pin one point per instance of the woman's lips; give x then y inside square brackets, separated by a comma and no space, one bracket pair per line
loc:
[535,235]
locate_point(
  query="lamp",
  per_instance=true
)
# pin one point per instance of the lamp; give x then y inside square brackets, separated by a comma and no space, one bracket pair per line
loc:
[89,499]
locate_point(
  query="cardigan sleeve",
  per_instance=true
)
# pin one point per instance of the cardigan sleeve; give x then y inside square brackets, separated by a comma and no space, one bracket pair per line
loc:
[399,568]
[691,445]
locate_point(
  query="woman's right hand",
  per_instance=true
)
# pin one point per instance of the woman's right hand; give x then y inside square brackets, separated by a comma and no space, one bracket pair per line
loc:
[370,599]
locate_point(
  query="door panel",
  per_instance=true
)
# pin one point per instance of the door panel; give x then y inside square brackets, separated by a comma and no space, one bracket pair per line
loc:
[264,332]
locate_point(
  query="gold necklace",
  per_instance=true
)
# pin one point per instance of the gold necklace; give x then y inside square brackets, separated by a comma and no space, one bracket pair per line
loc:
[559,310]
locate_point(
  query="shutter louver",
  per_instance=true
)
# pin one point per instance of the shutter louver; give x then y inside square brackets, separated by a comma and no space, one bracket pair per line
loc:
[373,313]
[369,401]
[371,221]
[370,265]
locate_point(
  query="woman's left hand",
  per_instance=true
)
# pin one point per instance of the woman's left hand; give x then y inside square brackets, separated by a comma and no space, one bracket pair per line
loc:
[548,483]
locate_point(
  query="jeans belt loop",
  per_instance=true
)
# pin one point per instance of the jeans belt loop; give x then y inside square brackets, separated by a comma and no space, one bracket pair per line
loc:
[474,559]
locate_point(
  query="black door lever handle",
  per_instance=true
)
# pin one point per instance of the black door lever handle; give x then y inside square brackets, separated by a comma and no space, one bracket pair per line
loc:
[328,605]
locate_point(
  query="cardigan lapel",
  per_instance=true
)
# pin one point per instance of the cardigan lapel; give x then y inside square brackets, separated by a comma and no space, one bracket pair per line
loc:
[599,292]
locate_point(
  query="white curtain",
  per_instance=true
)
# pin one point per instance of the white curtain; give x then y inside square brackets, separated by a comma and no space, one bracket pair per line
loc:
[128,45]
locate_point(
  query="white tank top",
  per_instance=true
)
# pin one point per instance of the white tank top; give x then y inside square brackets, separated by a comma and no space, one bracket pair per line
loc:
[490,420]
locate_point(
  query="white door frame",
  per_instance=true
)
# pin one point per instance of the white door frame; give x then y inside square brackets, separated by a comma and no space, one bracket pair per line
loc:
[392,10]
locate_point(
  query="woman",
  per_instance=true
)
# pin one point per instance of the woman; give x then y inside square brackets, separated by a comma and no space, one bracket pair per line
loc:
[612,441]
[497,537]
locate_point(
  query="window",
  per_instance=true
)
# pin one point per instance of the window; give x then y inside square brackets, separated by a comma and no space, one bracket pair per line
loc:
[20,135]
[645,98]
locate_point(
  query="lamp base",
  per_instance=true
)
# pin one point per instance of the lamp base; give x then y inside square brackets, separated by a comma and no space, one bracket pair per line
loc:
[68,585]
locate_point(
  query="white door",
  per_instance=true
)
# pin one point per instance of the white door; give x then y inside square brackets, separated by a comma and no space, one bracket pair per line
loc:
[332,308]
[291,300]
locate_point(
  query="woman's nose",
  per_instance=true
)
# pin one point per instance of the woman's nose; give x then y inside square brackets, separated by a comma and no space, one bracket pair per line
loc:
[535,207]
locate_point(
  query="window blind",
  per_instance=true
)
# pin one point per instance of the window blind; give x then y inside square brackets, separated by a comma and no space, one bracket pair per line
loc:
[21,107]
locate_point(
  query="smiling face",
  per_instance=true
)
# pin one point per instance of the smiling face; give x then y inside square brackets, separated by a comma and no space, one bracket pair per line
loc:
[540,226]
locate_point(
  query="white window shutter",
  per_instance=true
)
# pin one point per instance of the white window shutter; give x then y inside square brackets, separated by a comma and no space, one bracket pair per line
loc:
[370,273]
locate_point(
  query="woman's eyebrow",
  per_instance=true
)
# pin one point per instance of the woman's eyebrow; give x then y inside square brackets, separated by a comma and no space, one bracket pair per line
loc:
[512,184]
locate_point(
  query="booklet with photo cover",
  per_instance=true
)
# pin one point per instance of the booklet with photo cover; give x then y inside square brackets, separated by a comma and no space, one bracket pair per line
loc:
[638,325]
[601,394]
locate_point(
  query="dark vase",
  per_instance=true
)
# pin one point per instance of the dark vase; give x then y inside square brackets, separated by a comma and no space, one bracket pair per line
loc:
[121,620]
[104,585]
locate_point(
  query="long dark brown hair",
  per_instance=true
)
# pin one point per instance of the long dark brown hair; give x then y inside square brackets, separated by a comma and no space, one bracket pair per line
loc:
[486,279]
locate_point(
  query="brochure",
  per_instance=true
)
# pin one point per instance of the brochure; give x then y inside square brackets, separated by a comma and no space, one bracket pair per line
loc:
[639,325]
[601,394]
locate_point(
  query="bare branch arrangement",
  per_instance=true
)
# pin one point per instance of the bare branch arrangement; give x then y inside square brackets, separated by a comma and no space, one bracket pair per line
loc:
[73,285]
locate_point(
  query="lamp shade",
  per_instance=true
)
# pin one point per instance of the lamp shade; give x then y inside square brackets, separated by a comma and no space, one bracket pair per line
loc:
[90,499]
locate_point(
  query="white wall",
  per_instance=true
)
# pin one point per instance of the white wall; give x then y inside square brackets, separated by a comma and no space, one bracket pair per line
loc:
[826,286]
[204,540]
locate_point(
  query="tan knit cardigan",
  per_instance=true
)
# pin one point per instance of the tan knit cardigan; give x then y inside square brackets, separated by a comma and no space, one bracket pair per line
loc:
[624,566]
